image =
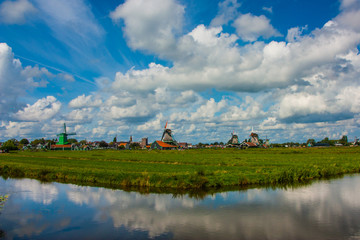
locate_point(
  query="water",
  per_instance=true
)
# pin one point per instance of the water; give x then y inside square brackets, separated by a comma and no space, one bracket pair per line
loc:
[322,210]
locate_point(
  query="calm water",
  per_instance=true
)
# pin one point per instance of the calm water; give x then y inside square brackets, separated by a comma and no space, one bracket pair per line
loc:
[323,210]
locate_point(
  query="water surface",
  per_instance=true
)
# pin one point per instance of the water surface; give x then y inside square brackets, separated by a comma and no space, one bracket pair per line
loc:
[322,210]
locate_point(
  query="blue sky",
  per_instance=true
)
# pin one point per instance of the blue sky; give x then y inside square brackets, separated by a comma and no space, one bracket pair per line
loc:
[289,69]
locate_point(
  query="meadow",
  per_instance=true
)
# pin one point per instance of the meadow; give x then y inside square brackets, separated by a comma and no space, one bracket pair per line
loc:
[187,169]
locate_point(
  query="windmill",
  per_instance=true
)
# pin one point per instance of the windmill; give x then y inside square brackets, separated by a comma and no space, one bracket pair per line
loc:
[254,137]
[167,136]
[234,139]
[63,137]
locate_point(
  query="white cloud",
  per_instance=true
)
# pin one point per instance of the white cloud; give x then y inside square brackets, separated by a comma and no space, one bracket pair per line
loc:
[84,115]
[121,100]
[301,104]
[15,12]
[294,34]
[141,80]
[150,25]
[250,27]
[347,4]
[43,109]
[14,81]
[190,129]
[67,77]
[153,124]
[249,110]
[268,9]
[228,10]
[83,101]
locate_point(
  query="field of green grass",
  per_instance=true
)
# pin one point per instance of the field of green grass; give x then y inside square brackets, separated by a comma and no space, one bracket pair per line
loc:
[188,169]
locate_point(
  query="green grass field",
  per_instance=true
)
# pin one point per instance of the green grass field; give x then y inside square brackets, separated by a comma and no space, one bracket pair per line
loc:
[189,169]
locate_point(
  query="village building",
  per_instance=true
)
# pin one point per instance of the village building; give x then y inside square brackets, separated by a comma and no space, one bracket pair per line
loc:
[248,145]
[183,145]
[123,145]
[162,146]
[144,143]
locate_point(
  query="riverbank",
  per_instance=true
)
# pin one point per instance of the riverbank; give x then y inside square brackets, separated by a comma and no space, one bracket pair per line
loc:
[188,169]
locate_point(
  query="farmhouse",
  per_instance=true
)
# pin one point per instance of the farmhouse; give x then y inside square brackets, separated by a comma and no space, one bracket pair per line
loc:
[163,146]
[123,145]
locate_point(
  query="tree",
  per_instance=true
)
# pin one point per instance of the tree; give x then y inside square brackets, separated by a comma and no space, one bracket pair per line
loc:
[310,141]
[115,140]
[135,145]
[103,144]
[72,140]
[37,141]
[325,140]
[343,140]
[83,142]
[9,145]
[50,141]
[24,141]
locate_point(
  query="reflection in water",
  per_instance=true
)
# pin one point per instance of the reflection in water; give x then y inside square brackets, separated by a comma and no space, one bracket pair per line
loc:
[323,210]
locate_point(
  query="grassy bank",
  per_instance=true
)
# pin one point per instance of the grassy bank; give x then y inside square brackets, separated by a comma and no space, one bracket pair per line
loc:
[188,169]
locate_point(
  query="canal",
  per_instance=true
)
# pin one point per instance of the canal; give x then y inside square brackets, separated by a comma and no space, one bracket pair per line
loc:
[323,210]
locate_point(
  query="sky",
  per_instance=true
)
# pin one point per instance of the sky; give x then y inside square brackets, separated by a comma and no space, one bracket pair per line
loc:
[287,69]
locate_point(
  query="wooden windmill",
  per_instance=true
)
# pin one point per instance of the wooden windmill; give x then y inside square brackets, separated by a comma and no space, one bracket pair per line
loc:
[167,136]
[254,137]
[234,139]
[63,137]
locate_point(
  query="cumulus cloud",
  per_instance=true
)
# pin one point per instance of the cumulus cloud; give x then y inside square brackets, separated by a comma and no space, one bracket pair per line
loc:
[154,124]
[294,34]
[83,101]
[249,110]
[228,10]
[250,27]
[84,115]
[10,80]
[254,67]
[15,12]
[15,80]
[43,109]
[141,80]
[150,25]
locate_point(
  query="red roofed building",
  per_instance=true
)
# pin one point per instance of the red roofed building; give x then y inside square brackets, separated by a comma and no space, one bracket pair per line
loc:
[162,146]
[61,147]
[249,145]
[123,145]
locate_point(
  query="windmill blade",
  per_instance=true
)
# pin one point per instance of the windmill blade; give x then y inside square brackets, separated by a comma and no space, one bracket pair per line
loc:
[166,124]
[163,135]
